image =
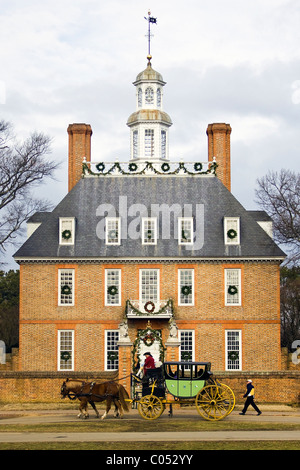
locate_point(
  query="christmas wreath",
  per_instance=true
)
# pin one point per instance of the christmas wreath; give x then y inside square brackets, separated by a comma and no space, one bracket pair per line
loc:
[132,166]
[148,339]
[112,355]
[66,234]
[233,355]
[112,290]
[165,167]
[198,166]
[113,234]
[231,234]
[186,290]
[185,234]
[66,290]
[232,290]
[149,234]
[149,306]
[100,166]
[65,356]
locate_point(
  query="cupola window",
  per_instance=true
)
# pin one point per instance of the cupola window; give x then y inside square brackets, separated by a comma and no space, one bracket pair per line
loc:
[158,97]
[149,95]
[135,137]
[163,144]
[140,98]
[149,143]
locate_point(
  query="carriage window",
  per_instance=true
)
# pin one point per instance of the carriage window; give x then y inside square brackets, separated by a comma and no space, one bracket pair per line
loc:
[66,286]
[112,287]
[66,350]
[112,350]
[233,350]
[187,345]
[186,287]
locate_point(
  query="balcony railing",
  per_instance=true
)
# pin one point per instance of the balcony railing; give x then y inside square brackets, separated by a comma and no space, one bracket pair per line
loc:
[140,309]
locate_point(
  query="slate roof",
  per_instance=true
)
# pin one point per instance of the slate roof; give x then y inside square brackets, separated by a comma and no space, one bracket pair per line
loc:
[206,195]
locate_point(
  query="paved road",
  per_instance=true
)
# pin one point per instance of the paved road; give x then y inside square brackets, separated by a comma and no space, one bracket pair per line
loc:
[35,417]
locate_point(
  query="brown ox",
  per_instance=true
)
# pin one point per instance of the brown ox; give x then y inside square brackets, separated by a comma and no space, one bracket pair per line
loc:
[91,392]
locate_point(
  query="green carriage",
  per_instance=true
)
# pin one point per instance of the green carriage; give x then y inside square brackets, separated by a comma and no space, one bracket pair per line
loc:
[185,383]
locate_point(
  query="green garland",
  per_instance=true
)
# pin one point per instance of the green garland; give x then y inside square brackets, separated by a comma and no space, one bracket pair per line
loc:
[232,234]
[112,290]
[186,290]
[149,165]
[232,290]
[66,234]
[66,290]
[138,312]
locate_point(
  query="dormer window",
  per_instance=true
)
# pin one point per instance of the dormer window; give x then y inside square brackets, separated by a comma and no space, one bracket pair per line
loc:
[232,230]
[185,230]
[66,230]
[113,230]
[149,231]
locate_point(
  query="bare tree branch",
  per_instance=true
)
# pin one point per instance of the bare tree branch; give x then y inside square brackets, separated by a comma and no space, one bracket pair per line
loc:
[23,166]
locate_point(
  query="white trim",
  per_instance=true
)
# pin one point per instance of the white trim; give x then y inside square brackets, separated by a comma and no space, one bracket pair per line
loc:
[190,220]
[59,332]
[60,303]
[106,351]
[240,349]
[70,223]
[239,287]
[232,223]
[193,342]
[152,220]
[106,303]
[117,222]
[193,287]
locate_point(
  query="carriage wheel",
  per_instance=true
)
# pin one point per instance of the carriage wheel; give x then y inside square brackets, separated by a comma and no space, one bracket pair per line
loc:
[214,402]
[150,407]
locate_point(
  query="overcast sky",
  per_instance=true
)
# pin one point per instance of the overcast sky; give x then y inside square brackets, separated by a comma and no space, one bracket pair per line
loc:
[237,62]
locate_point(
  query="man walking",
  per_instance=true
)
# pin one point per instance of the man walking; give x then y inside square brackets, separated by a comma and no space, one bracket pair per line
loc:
[250,399]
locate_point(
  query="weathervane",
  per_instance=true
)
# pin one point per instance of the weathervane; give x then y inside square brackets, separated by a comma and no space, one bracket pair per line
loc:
[150,20]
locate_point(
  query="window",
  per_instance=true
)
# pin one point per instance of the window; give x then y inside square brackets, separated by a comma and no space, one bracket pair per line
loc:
[65,350]
[111,349]
[158,97]
[149,286]
[112,287]
[233,287]
[135,137]
[149,231]
[163,144]
[66,286]
[113,229]
[149,143]
[232,230]
[186,287]
[185,230]
[233,350]
[186,338]
[66,230]
[149,95]
[140,97]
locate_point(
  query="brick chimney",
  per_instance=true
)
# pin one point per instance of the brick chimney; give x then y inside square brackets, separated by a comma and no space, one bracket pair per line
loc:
[219,147]
[79,148]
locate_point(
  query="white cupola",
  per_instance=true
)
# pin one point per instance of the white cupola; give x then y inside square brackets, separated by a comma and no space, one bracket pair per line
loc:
[149,124]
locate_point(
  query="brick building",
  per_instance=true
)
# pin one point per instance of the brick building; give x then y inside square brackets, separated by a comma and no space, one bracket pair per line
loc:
[152,255]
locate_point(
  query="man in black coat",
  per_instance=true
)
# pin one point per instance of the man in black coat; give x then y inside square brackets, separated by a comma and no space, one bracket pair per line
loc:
[249,395]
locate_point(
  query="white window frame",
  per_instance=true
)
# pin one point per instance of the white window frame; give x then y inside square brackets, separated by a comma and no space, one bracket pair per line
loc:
[113,224]
[143,297]
[111,346]
[182,348]
[190,298]
[185,224]
[149,143]
[112,300]
[233,300]
[67,223]
[163,143]
[60,350]
[233,364]
[66,300]
[146,223]
[232,223]
[135,143]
